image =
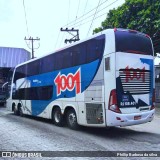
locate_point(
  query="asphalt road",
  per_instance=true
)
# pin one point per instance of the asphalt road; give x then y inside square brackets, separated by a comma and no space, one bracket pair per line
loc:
[37,134]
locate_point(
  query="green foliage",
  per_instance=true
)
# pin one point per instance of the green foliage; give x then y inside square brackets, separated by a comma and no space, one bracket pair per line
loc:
[140,15]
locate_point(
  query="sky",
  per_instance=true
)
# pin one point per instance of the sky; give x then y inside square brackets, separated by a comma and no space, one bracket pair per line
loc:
[44,18]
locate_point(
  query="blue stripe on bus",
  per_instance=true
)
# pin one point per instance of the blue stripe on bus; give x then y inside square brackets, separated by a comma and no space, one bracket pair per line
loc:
[88,72]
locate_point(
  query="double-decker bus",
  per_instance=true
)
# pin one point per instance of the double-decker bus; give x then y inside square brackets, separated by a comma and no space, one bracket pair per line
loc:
[105,80]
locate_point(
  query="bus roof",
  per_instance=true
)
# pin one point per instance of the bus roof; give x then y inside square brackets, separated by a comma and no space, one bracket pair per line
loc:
[68,46]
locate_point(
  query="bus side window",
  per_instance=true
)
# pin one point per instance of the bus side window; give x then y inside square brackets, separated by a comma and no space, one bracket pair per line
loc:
[91,50]
[95,49]
[59,60]
[20,73]
[33,68]
[48,64]
[67,59]
[107,63]
[46,92]
[79,54]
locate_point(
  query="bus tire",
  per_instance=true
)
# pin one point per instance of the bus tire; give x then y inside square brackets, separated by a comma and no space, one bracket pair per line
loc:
[20,111]
[57,117]
[15,111]
[72,119]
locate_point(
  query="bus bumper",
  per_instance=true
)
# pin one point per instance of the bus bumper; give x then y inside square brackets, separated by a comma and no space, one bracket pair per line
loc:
[117,119]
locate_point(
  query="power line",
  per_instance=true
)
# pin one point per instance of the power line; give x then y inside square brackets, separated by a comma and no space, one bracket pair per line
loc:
[57,39]
[85,7]
[84,10]
[89,17]
[93,17]
[67,24]
[74,20]
[84,14]
[25,17]
[61,42]
[68,15]
[77,9]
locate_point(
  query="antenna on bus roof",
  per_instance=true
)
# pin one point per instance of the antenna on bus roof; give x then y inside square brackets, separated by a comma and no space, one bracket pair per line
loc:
[74,38]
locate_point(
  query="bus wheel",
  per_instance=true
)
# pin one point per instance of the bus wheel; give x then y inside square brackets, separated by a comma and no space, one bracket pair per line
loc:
[72,119]
[15,111]
[57,117]
[20,111]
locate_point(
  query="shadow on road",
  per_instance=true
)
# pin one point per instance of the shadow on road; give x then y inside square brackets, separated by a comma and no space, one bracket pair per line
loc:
[110,132]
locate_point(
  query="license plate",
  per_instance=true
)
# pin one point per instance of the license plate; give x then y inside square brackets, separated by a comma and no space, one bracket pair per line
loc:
[137,117]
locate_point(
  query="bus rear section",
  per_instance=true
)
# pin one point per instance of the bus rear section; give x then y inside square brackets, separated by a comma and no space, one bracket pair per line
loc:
[132,100]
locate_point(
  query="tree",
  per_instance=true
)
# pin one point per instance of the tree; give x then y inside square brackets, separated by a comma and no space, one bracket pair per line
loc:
[140,15]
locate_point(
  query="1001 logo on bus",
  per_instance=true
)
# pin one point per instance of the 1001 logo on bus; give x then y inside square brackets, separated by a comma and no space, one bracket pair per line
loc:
[68,82]
[131,74]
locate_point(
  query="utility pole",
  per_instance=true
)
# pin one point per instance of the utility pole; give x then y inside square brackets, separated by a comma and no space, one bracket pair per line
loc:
[74,38]
[32,41]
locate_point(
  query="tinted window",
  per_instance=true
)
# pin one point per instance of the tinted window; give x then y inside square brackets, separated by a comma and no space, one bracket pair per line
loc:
[20,72]
[33,68]
[48,63]
[67,58]
[59,60]
[82,53]
[133,42]
[95,48]
[79,54]
[34,93]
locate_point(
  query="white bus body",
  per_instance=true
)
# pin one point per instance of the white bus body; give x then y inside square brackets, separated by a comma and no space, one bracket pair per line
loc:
[106,80]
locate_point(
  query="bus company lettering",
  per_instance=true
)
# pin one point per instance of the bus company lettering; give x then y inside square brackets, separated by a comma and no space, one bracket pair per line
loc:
[131,73]
[68,82]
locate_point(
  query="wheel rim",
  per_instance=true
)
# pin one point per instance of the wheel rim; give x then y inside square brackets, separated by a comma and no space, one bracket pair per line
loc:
[72,119]
[57,116]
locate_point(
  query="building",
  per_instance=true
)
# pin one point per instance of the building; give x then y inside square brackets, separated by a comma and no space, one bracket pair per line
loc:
[9,58]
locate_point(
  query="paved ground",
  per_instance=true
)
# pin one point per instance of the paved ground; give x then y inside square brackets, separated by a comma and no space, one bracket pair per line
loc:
[158,109]
[36,134]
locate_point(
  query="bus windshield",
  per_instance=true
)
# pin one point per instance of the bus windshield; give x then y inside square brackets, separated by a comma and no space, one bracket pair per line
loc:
[133,42]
